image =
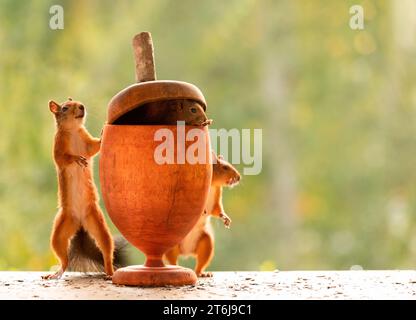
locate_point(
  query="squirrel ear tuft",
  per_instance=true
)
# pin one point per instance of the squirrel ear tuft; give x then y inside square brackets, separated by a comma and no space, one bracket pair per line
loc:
[69,98]
[54,106]
[221,157]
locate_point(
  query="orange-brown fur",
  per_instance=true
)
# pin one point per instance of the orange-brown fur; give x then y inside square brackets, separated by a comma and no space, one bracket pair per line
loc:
[78,204]
[200,241]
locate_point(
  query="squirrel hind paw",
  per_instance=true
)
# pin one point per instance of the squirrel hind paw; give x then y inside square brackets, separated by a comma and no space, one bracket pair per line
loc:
[205,274]
[53,276]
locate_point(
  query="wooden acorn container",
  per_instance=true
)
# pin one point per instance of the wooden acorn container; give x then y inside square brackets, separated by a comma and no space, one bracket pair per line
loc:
[153,205]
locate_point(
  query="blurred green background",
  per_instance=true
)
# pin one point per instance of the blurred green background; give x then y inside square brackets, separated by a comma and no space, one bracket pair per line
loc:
[337,107]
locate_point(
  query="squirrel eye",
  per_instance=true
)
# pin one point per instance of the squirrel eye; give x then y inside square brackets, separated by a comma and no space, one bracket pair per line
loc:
[64,109]
[193,110]
[225,168]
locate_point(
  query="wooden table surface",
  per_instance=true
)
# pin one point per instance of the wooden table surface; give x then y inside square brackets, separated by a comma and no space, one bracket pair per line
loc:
[223,285]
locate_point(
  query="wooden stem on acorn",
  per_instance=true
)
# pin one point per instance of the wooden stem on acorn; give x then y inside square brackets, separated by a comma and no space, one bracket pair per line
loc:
[144,57]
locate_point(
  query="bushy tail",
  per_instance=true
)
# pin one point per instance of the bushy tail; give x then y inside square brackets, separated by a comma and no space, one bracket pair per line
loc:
[84,255]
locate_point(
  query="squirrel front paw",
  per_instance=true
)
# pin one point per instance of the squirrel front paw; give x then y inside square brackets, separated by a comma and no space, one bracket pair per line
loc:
[207,122]
[81,161]
[226,219]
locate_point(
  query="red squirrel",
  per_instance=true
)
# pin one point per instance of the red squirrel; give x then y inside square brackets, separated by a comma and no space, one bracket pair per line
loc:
[199,242]
[167,112]
[79,219]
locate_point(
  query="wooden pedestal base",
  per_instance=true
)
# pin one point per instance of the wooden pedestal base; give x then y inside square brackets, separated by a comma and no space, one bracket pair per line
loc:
[143,276]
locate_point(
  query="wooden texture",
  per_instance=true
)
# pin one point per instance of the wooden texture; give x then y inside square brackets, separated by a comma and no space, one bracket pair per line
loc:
[144,57]
[141,93]
[154,206]
[223,285]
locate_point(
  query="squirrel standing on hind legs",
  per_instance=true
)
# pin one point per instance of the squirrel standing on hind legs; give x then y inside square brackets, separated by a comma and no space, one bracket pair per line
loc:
[199,242]
[79,217]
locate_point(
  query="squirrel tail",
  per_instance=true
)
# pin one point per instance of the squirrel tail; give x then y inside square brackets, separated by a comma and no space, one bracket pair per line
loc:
[85,256]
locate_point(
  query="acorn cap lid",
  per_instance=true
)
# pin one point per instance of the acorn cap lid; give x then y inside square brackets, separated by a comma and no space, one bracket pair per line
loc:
[139,94]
